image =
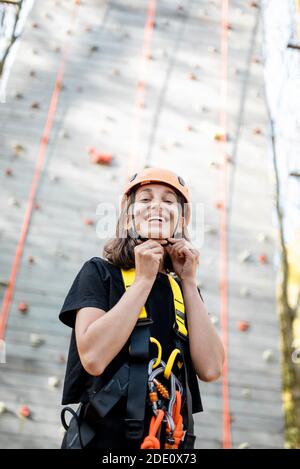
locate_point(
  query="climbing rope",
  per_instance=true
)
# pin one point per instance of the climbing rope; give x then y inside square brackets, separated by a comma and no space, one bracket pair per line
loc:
[166,405]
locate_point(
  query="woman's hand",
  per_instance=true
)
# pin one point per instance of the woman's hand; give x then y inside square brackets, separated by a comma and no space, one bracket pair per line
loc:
[185,258]
[148,256]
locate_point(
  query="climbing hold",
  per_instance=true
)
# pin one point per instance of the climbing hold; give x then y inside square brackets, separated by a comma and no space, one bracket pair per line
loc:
[13,201]
[189,128]
[244,256]
[219,205]
[4,283]
[214,164]
[268,355]
[246,392]
[210,230]
[2,408]
[254,5]
[244,291]
[244,445]
[36,205]
[192,76]
[63,134]
[57,49]
[262,237]
[32,73]
[35,105]
[36,340]
[220,137]
[30,259]
[8,172]
[115,72]
[88,29]
[94,48]
[257,131]
[227,26]
[228,159]
[88,221]
[97,157]
[53,382]
[35,25]
[255,60]
[243,326]
[19,95]
[23,307]
[263,259]
[54,178]
[35,52]
[18,148]
[24,411]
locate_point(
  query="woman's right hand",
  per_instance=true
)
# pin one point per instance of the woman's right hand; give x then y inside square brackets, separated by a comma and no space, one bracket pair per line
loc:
[148,256]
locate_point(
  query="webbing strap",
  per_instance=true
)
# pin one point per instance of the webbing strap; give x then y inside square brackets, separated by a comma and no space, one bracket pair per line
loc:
[179,325]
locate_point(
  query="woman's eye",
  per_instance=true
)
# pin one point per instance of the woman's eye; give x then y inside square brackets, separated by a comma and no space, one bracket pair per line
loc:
[144,200]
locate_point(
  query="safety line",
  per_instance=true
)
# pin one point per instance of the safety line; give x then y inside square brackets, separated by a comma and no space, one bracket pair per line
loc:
[9,292]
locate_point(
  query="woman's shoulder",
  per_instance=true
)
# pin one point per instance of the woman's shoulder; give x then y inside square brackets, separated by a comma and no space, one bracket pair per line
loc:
[103,266]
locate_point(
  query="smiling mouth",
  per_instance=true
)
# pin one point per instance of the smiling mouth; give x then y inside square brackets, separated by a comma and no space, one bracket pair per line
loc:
[155,219]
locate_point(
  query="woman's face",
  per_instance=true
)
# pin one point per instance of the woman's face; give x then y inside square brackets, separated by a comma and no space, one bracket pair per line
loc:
[155,211]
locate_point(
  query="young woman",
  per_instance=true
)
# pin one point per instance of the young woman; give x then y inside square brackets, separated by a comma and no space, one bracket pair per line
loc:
[126,308]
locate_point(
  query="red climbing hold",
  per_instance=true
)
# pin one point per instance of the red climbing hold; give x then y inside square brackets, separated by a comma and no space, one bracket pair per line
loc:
[23,307]
[263,259]
[219,205]
[220,137]
[96,157]
[88,221]
[24,411]
[8,172]
[243,326]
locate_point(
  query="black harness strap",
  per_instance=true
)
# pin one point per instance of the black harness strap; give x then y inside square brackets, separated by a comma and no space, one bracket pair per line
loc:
[189,439]
[138,378]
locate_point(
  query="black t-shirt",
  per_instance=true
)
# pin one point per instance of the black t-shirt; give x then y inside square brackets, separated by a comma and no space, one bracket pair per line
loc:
[99,284]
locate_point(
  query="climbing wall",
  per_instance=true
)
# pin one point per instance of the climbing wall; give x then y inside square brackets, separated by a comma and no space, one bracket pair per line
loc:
[95,91]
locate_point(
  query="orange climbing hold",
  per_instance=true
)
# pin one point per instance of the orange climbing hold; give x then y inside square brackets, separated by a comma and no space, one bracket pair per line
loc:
[263,259]
[96,157]
[23,307]
[243,326]
[24,411]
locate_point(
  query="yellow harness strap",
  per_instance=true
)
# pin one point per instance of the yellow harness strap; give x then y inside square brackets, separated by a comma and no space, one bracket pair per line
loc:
[128,279]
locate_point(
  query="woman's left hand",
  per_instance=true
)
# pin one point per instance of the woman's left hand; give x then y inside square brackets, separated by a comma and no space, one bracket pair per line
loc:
[185,258]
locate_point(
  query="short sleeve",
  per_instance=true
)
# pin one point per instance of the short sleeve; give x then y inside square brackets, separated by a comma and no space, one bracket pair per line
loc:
[87,290]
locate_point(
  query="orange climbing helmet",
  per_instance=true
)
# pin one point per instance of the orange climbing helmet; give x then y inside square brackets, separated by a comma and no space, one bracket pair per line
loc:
[162,176]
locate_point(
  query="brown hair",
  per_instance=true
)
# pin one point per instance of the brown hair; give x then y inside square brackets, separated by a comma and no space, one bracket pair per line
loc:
[120,250]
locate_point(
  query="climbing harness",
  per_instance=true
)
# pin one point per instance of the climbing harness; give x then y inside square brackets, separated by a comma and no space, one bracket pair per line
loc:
[132,380]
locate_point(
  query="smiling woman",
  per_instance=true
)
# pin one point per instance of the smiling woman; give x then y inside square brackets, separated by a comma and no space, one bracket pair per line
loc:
[138,326]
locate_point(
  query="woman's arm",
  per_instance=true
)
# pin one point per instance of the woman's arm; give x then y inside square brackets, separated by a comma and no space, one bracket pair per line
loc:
[101,335]
[207,352]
